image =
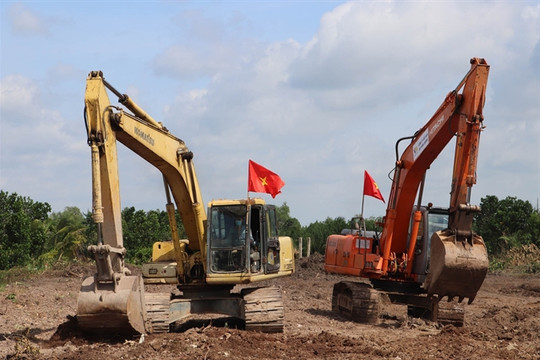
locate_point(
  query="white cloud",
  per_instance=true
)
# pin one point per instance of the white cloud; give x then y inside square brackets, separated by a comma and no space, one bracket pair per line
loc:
[208,47]
[363,49]
[17,95]
[25,21]
[184,62]
[38,156]
[62,71]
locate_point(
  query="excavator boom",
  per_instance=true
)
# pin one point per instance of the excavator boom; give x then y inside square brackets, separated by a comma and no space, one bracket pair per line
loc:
[458,257]
[458,260]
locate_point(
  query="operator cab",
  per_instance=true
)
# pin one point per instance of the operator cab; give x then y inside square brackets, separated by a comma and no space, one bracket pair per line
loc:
[437,220]
[242,237]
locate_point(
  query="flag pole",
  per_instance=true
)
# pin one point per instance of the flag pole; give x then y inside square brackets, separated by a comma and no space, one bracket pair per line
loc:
[363,224]
[362,213]
[248,185]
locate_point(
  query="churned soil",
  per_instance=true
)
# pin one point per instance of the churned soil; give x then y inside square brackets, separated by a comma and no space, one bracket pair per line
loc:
[502,323]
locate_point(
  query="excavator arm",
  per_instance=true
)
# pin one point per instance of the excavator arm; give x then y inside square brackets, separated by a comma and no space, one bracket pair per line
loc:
[100,298]
[459,116]
[151,141]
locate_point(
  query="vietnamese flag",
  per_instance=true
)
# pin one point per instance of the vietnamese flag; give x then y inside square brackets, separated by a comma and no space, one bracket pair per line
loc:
[262,180]
[371,188]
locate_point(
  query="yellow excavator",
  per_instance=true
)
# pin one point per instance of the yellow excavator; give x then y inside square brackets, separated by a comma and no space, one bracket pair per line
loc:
[237,244]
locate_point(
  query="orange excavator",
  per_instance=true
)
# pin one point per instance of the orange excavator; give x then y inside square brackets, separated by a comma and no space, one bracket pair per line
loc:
[423,253]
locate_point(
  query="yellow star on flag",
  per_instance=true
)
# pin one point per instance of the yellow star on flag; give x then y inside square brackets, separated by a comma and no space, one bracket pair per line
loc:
[263,181]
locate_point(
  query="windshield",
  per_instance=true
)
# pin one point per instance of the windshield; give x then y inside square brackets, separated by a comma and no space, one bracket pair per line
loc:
[228,226]
[437,222]
[227,238]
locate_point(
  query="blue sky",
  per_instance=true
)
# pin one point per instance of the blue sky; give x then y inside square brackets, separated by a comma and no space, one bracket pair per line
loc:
[316,91]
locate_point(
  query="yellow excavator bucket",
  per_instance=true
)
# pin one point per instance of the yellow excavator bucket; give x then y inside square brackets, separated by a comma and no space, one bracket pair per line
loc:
[457,268]
[104,308]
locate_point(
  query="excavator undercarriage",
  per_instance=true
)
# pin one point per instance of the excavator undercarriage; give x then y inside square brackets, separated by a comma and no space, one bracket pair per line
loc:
[128,310]
[456,271]
[254,308]
[362,303]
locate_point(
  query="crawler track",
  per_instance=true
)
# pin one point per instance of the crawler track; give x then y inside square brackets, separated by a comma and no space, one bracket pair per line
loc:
[157,311]
[356,301]
[450,313]
[263,309]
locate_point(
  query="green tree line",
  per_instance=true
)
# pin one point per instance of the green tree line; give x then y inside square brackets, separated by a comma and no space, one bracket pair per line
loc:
[31,234]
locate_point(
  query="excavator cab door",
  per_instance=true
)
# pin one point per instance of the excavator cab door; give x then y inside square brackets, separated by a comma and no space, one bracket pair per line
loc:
[270,240]
[433,219]
[255,250]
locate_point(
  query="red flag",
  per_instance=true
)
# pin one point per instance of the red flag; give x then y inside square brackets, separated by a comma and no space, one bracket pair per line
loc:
[262,180]
[371,188]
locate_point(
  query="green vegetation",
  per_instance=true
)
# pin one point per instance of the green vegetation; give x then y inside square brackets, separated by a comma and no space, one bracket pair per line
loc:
[23,229]
[142,229]
[320,230]
[66,238]
[33,239]
[506,224]
[511,230]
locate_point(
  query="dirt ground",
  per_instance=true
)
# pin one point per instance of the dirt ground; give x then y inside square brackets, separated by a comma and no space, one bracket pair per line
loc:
[502,323]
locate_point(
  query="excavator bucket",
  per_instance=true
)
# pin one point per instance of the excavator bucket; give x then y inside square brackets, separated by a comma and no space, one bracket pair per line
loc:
[457,269]
[105,308]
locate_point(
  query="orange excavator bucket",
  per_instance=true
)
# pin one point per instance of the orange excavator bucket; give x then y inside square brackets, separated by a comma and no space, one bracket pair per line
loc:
[457,268]
[112,307]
